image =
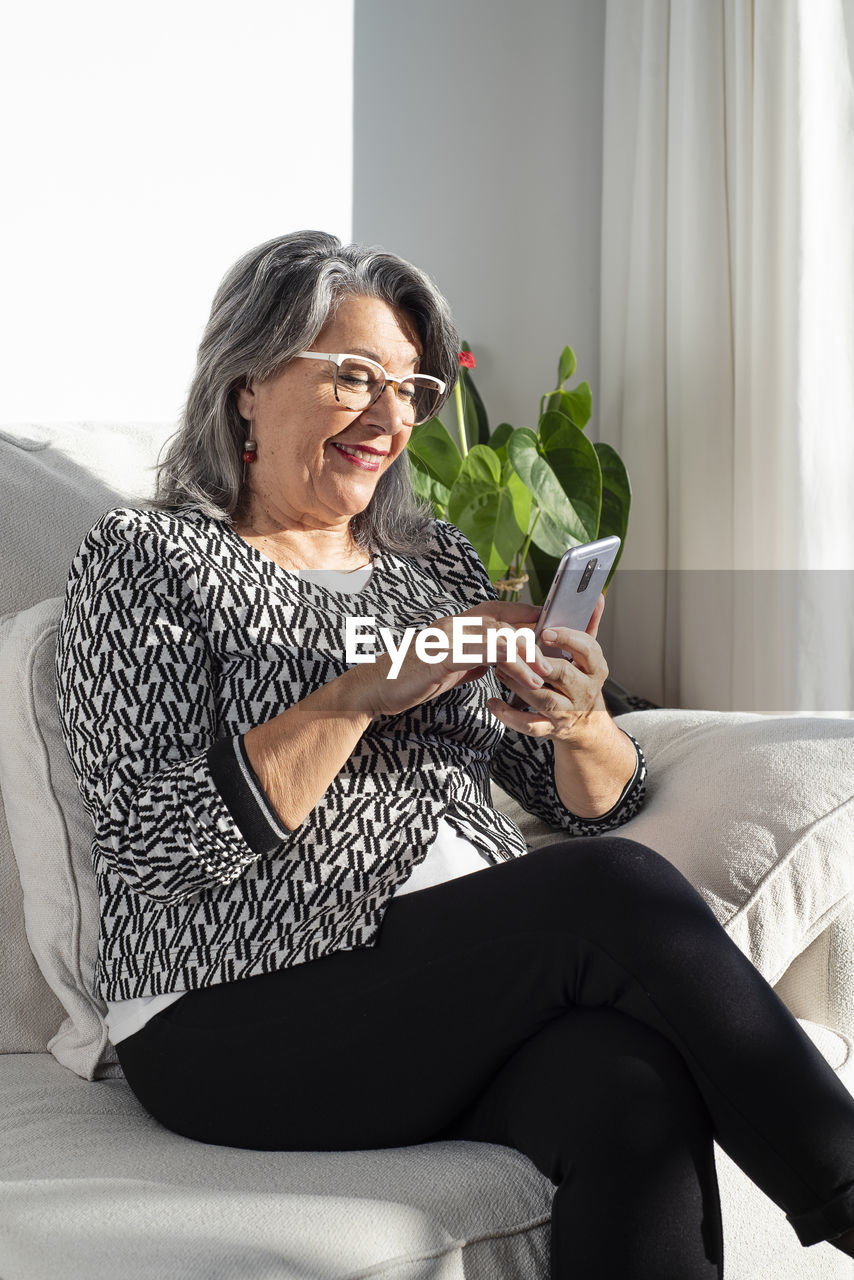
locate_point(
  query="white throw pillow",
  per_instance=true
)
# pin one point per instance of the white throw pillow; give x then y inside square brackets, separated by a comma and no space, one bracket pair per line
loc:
[51,836]
[756,811]
[56,480]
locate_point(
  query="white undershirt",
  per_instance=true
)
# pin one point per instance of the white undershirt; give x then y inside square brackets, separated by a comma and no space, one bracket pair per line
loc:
[450,855]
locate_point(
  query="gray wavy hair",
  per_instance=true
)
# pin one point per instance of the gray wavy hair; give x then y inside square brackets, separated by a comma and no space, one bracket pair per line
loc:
[273,303]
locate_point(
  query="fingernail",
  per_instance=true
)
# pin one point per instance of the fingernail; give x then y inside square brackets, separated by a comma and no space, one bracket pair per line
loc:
[545,665]
[549,635]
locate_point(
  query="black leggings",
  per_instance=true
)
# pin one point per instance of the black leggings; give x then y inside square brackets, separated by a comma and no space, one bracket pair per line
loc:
[580,1004]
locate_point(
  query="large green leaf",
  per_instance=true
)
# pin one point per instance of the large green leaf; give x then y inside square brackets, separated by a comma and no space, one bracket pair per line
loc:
[427,486]
[520,496]
[573,460]
[616,497]
[486,510]
[436,450]
[525,453]
[552,537]
[498,440]
[550,422]
[564,517]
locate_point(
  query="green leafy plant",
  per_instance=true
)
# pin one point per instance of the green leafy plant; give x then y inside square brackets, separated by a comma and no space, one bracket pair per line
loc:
[522,497]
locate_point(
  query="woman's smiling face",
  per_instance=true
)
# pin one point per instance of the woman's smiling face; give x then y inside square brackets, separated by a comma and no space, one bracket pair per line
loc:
[306,471]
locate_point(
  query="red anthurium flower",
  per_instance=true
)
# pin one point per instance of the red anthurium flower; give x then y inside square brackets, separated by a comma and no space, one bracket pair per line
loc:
[467,360]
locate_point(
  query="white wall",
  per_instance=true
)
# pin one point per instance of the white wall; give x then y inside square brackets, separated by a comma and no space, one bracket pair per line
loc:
[478,140]
[152,144]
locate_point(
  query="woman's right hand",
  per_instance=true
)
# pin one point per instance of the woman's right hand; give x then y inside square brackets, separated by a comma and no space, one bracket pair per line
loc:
[418,681]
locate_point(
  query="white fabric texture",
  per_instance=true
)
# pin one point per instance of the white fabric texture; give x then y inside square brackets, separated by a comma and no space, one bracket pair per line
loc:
[56,481]
[820,984]
[757,812]
[449,856]
[125,1017]
[51,836]
[727,350]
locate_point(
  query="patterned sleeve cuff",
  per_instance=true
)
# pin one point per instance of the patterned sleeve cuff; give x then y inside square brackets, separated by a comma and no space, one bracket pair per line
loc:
[244,797]
[629,803]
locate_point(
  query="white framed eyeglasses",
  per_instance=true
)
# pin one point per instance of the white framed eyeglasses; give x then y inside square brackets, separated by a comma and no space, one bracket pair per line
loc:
[359,382]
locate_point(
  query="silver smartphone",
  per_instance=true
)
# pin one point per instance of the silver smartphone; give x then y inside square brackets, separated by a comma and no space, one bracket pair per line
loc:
[576,587]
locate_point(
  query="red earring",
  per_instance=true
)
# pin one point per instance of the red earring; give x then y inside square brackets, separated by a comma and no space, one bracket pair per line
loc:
[250,451]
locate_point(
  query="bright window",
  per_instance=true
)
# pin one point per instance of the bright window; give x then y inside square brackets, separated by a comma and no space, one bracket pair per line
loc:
[152,144]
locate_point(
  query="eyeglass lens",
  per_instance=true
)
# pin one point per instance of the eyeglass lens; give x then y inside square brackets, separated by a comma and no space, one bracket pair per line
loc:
[359,384]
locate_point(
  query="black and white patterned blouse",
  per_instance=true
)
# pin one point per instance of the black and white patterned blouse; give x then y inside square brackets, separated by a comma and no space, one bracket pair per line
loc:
[176,638]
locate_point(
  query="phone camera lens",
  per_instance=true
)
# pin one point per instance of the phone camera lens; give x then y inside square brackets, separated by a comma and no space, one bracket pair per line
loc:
[588,573]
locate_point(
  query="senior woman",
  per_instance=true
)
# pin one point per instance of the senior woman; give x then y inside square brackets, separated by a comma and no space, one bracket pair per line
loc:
[316,931]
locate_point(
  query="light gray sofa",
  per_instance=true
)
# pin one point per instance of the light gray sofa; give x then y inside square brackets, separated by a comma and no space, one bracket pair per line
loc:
[756,811]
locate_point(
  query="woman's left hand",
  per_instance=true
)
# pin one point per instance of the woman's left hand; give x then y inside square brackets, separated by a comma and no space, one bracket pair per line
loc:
[568,693]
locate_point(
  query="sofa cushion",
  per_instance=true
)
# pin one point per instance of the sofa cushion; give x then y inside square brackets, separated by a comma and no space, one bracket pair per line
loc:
[55,481]
[29,1011]
[51,835]
[757,812]
[93,1188]
[820,983]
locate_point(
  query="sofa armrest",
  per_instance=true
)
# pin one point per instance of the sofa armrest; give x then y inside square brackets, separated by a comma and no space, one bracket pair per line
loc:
[819,983]
[757,813]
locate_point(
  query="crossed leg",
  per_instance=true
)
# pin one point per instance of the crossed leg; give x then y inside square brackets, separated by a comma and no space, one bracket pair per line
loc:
[606,1108]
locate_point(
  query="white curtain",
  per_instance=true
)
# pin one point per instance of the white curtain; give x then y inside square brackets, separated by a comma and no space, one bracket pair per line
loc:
[727,350]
